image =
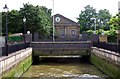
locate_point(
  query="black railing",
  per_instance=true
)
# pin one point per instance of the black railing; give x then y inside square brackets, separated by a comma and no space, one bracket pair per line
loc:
[15,47]
[107,46]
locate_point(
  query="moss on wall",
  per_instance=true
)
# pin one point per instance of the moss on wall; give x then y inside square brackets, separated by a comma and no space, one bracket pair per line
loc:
[108,68]
[19,69]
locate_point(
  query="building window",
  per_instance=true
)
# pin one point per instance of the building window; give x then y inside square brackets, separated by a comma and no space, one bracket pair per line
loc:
[73,32]
[62,32]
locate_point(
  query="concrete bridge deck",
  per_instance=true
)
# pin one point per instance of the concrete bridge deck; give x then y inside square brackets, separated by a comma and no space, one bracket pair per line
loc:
[61,48]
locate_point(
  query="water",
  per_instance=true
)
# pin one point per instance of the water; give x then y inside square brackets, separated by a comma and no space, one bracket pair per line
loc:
[64,69]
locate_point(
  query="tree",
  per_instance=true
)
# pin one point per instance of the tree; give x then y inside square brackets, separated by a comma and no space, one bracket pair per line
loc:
[46,21]
[115,22]
[85,18]
[13,21]
[38,19]
[103,17]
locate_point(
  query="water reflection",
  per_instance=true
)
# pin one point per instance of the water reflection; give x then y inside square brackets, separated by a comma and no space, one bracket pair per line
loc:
[64,68]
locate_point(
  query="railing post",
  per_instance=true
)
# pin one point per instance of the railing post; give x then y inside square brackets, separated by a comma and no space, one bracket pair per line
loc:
[118,37]
[119,46]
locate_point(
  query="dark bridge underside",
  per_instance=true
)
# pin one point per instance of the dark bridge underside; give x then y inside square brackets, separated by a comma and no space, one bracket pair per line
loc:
[61,48]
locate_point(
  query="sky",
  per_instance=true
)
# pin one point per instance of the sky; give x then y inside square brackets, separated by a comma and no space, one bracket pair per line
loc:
[68,8]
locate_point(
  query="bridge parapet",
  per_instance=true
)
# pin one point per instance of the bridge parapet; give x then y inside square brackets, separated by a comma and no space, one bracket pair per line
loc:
[61,48]
[62,45]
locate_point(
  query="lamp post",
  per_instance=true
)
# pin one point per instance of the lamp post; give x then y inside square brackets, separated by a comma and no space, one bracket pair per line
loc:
[95,24]
[53,23]
[6,37]
[24,20]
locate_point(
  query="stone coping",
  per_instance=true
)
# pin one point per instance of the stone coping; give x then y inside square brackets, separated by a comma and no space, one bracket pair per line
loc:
[14,53]
[65,42]
[107,51]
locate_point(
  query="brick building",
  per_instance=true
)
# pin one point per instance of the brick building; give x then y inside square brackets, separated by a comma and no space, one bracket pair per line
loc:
[66,28]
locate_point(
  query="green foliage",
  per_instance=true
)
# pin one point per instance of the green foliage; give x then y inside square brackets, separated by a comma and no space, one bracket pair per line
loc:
[15,38]
[115,22]
[103,17]
[13,21]
[85,18]
[38,19]
[112,33]
[112,36]
[100,31]
[86,22]
[89,32]
[103,22]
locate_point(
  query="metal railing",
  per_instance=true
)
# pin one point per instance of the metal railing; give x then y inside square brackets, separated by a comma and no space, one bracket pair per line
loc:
[68,37]
[107,46]
[14,47]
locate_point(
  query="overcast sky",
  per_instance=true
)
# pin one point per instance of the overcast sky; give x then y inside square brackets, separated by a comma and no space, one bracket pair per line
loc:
[69,8]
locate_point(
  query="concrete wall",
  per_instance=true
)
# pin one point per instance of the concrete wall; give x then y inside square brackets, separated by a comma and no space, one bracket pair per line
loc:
[108,62]
[110,56]
[61,48]
[7,63]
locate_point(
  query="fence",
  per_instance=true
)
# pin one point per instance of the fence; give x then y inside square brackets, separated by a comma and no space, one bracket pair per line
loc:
[12,39]
[67,37]
[15,47]
[111,47]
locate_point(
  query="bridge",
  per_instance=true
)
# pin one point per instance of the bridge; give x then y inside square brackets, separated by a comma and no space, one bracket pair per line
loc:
[23,55]
[61,48]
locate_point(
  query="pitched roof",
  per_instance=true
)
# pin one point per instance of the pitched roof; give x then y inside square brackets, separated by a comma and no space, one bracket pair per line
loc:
[64,20]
